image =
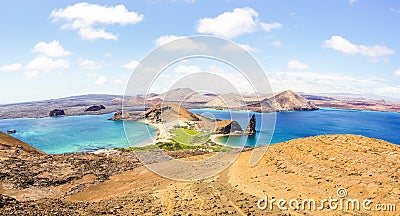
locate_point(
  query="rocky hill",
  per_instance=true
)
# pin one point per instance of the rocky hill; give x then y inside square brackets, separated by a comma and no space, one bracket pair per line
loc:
[186,97]
[284,101]
[226,101]
[171,116]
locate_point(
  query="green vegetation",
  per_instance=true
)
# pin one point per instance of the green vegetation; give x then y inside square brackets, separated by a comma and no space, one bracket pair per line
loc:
[174,146]
[184,139]
[186,136]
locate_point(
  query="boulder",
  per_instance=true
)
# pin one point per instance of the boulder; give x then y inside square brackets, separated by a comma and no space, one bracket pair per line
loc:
[95,108]
[11,131]
[56,112]
[251,127]
[227,127]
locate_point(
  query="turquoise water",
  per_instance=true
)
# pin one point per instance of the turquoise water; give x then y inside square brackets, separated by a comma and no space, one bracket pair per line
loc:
[93,132]
[291,125]
[77,133]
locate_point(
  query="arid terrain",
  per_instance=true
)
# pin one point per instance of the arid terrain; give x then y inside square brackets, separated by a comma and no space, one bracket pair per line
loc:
[115,183]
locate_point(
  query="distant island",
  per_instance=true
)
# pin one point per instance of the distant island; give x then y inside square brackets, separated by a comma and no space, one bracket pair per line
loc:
[94,104]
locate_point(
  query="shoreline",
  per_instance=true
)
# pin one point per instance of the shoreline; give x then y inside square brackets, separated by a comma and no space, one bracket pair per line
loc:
[199,108]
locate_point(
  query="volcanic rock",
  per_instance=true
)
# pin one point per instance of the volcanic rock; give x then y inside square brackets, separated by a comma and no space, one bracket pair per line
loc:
[57,112]
[95,108]
[227,127]
[251,127]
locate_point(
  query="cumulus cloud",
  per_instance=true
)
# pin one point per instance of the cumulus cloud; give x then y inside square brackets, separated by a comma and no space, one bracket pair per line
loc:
[101,80]
[131,65]
[30,74]
[234,23]
[89,64]
[230,24]
[297,65]
[276,43]
[340,44]
[11,67]
[187,69]
[397,72]
[52,49]
[232,47]
[316,82]
[90,19]
[166,39]
[46,64]
[270,26]
[185,44]
[388,90]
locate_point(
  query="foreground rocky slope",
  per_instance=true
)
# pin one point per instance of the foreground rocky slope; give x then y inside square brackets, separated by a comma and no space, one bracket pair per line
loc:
[314,167]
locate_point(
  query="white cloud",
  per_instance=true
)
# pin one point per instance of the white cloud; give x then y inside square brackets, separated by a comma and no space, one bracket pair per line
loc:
[11,67]
[118,81]
[276,43]
[93,34]
[297,65]
[90,19]
[397,72]
[52,49]
[232,47]
[46,64]
[107,55]
[187,69]
[101,80]
[388,90]
[166,39]
[91,75]
[230,24]
[30,74]
[131,65]
[89,64]
[184,44]
[312,82]
[342,45]
[270,26]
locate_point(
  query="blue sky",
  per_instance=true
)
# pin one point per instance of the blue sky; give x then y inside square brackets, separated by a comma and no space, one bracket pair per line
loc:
[53,49]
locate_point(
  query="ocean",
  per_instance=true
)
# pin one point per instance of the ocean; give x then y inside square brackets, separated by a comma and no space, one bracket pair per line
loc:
[93,132]
[57,135]
[298,124]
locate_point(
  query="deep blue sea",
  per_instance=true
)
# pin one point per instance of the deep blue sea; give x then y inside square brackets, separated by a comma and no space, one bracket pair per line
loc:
[56,135]
[93,132]
[297,124]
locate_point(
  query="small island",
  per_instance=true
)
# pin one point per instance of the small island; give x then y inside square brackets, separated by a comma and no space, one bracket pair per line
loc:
[180,129]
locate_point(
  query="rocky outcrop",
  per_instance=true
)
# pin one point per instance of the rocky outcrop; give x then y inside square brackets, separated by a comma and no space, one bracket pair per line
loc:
[57,112]
[226,101]
[284,101]
[95,108]
[169,112]
[227,127]
[251,127]
[11,131]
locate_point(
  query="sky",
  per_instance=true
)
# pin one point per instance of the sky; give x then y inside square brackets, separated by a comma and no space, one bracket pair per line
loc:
[52,49]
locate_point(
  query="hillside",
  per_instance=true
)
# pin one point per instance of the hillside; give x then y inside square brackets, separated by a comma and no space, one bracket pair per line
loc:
[307,168]
[226,101]
[284,101]
[355,101]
